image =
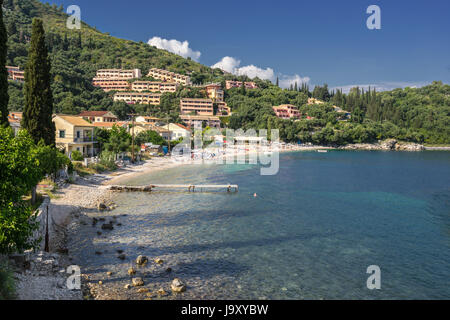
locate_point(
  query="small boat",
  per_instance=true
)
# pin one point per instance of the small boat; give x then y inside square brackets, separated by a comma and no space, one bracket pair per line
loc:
[322,150]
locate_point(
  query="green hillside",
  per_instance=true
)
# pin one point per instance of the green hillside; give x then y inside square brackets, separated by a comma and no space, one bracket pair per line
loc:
[77,54]
[417,115]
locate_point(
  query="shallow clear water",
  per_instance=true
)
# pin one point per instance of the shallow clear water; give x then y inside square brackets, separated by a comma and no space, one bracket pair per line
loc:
[311,233]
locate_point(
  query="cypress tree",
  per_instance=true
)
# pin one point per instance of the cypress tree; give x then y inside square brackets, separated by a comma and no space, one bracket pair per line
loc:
[37,116]
[277,82]
[4,97]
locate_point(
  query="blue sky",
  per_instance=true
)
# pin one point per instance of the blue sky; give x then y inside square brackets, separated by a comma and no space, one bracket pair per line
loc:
[319,41]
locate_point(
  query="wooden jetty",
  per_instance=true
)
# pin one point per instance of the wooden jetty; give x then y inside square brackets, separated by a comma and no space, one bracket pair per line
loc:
[189,187]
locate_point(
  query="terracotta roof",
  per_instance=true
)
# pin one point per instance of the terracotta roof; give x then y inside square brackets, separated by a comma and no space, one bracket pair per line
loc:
[181,126]
[76,121]
[93,113]
[109,124]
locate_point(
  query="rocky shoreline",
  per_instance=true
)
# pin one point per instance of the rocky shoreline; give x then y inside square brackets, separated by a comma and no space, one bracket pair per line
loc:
[43,275]
[386,145]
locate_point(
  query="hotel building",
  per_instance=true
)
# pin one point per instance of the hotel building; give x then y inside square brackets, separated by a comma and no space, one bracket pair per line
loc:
[237,84]
[286,111]
[14,73]
[214,91]
[115,79]
[154,86]
[196,106]
[168,76]
[210,121]
[109,84]
[119,73]
[138,97]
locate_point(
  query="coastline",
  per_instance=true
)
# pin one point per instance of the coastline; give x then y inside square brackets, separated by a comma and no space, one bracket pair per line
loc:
[47,270]
[42,275]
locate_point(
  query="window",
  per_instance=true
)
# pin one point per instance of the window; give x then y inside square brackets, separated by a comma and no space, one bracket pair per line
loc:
[62,133]
[78,134]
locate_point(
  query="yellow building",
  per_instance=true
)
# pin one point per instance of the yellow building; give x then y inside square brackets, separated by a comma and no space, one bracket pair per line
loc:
[138,97]
[154,86]
[168,76]
[74,133]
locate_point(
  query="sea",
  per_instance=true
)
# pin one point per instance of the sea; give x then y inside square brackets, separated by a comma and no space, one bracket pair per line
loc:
[334,225]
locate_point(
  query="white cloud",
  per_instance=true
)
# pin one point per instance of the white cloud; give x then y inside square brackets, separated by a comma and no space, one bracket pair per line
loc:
[232,65]
[382,86]
[175,46]
[228,64]
[253,71]
[285,81]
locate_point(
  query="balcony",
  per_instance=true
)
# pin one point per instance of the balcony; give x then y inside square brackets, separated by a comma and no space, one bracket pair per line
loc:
[84,139]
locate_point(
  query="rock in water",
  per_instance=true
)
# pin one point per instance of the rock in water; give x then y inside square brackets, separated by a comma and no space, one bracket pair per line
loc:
[178,285]
[107,226]
[121,256]
[137,282]
[159,261]
[141,260]
[131,271]
[162,292]
[101,206]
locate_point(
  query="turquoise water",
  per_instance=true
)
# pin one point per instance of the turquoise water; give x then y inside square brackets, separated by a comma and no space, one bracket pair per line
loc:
[311,232]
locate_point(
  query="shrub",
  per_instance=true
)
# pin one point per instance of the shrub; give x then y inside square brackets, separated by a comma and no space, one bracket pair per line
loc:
[77,156]
[107,159]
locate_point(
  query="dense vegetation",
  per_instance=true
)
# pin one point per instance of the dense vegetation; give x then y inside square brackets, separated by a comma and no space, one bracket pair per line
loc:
[416,115]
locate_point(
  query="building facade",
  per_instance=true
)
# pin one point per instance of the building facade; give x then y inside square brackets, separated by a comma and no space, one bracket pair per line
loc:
[119,73]
[147,120]
[211,121]
[168,76]
[238,84]
[153,86]
[286,111]
[74,133]
[110,84]
[138,97]
[98,116]
[15,74]
[196,106]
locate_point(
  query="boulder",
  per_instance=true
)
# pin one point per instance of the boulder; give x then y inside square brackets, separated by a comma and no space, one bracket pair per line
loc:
[107,226]
[161,292]
[141,260]
[101,206]
[178,285]
[131,271]
[159,261]
[388,144]
[142,290]
[137,282]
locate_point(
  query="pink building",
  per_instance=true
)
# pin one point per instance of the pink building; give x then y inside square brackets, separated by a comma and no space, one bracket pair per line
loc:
[237,84]
[286,111]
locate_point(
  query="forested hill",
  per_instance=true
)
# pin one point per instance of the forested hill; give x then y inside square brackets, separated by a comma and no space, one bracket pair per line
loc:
[77,54]
[412,114]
